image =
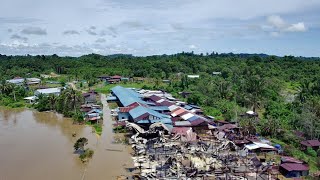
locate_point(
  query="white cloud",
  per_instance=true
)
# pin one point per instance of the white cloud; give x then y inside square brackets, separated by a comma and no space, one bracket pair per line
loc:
[165,26]
[278,26]
[298,27]
[192,46]
[276,21]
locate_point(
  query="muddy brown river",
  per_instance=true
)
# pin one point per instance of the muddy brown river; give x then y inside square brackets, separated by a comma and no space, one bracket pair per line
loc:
[39,145]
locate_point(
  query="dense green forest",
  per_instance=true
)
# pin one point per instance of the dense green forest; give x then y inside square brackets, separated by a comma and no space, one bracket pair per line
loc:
[284,91]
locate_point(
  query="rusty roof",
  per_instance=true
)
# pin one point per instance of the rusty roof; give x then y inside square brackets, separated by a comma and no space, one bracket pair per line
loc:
[311,143]
[294,167]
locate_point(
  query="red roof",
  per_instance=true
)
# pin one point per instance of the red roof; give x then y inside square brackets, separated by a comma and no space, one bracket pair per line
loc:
[166,103]
[294,167]
[178,111]
[177,118]
[116,77]
[131,106]
[184,113]
[94,118]
[125,109]
[154,98]
[311,143]
[197,122]
[288,159]
[136,104]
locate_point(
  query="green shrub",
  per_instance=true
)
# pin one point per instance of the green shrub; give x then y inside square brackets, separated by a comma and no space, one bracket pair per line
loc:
[311,152]
[120,129]
[98,128]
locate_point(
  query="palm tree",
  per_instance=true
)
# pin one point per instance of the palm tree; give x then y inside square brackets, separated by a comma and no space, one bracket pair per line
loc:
[52,99]
[304,91]
[72,97]
[6,88]
[255,90]
[223,88]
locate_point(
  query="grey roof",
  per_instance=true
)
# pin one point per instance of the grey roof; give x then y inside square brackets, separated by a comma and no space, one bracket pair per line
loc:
[127,96]
[49,90]
[16,81]
[159,108]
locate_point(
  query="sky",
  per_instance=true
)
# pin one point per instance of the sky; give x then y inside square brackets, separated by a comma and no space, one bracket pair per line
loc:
[148,27]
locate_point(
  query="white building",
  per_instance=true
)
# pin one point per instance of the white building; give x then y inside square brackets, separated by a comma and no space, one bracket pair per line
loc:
[55,91]
[21,81]
[31,81]
[193,76]
[16,81]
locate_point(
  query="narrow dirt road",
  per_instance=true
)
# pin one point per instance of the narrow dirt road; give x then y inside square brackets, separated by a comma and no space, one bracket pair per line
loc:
[110,159]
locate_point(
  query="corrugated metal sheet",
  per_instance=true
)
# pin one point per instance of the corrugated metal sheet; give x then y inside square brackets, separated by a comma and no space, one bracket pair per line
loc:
[187,116]
[164,121]
[294,167]
[178,112]
[197,122]
[140,110]
[173,107]
[49,91]
[193,118]
[166,103]
[311,143]
[187,107]
[159,108]
[182,123]
[127,96]
[155,98]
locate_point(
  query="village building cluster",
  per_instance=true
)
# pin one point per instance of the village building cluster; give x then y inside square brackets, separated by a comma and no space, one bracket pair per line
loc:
[173,139]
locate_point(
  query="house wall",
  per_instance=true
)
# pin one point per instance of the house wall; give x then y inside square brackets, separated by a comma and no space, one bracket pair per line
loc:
[122,115]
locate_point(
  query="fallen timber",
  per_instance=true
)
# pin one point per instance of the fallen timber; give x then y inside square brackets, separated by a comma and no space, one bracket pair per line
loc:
[173,157]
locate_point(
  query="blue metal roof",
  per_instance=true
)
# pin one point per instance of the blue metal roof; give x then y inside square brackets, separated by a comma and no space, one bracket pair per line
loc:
[188,107]
[193,118]
[111,98]
[140,110]
[194,106]
[169,126]
[127,96]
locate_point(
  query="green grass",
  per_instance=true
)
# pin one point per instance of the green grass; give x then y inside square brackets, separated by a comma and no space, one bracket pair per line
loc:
[292,87]
[98,128]
[112,105]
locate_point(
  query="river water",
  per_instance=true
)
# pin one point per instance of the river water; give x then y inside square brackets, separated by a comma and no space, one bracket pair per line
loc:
[39,145]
